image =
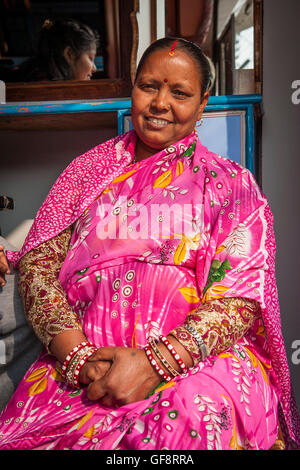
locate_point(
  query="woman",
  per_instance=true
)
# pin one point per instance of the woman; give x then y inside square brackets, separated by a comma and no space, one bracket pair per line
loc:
[66,51]
[149,276]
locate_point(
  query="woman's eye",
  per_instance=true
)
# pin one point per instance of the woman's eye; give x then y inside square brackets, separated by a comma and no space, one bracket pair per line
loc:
[180,93]
[148,86]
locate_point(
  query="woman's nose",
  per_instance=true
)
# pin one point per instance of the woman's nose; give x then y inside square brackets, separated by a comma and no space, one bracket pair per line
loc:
[94,68]
[161,100]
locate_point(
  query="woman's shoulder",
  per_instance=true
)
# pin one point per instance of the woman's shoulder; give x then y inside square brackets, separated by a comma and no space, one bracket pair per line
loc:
[223,175]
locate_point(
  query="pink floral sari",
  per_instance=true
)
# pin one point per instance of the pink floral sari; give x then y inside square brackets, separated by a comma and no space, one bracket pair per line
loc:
[129,278]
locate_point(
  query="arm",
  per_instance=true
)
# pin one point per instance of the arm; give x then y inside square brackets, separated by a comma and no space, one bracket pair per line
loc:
[46,306]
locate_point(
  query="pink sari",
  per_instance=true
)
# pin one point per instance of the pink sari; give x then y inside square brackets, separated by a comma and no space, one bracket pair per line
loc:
[128,281]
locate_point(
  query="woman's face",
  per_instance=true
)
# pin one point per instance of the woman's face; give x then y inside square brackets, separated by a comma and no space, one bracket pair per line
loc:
[166,99]
[83,66]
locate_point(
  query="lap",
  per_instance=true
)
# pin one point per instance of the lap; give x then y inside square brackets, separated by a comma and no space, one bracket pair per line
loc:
[224,403]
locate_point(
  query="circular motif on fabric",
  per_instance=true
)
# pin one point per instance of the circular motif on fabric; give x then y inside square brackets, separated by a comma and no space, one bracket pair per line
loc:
[114,314]
[196,169]
[115,297]
[173,414]
[146,440]
[147,410]
[130,202]
[127,291]
[157,417]
[168,427]
[165,403]
[193,433]
[116,284]
[219,185]
[213,174]
[125,303]
[129,275]
[116,210]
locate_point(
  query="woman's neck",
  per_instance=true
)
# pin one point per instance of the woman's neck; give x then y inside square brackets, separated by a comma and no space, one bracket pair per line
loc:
[142,151]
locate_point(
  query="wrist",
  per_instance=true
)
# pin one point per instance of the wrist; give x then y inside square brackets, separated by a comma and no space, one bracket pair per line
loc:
[74,362]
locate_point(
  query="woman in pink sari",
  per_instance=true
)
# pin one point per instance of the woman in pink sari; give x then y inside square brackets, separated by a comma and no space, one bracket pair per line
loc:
[149,277]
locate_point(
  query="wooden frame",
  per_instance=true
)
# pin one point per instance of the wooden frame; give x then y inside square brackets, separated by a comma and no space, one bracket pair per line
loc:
[225,81]
[92,89]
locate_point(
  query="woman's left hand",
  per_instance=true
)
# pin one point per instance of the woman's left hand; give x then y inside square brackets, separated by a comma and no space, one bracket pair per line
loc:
[131,377]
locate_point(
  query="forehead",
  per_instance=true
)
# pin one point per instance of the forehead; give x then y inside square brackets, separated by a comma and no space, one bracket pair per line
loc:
[180,65]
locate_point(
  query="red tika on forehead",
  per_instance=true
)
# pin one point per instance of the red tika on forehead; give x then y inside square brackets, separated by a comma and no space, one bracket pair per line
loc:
[173,47]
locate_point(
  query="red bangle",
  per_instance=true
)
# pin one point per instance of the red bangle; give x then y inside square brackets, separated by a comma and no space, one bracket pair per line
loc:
[72,354]
[154,364]
[80,366]
[174,353]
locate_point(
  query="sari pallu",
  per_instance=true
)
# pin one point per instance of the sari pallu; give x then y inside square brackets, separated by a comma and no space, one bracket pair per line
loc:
[230,209]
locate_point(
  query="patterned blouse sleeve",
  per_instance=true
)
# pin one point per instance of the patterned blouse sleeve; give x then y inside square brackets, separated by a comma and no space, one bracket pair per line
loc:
[220,323]
[44,299]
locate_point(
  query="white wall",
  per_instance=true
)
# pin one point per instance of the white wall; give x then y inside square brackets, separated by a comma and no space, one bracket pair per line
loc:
[281,161]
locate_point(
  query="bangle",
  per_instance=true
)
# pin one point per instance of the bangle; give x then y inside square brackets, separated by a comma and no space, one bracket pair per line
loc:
[72,354]
[198,338]
[174,353]
[76,364]
[154,364]
[163,359]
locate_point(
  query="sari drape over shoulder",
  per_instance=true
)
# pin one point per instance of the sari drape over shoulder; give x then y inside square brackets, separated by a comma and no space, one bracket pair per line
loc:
[125,289]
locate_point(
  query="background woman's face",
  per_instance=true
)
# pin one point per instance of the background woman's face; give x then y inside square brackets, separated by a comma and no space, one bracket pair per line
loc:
[84,66]
[166,99]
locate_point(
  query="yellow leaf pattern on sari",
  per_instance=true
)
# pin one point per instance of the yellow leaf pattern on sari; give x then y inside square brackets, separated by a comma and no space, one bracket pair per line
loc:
[190,294]
[180,253]
[84,419]
[215,292]
[179,168]
[163,180]
[38,387]
[37,374]
[123,176]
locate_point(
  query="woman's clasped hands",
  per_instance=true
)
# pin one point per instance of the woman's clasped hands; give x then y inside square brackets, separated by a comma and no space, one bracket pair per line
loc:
[118,376]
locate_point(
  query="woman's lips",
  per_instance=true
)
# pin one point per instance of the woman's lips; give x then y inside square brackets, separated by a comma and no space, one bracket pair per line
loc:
[157,123]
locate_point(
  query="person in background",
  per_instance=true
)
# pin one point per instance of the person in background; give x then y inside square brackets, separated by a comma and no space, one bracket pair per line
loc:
[66,51]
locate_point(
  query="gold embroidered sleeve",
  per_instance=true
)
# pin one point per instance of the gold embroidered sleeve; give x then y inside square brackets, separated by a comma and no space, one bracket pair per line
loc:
[44,299]
[220,323]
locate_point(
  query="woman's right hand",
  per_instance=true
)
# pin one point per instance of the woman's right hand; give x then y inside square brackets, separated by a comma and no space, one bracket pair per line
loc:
[92,371]
[4,267]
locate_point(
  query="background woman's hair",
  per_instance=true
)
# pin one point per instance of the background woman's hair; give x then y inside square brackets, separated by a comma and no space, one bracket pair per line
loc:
[49,62]
[204,65]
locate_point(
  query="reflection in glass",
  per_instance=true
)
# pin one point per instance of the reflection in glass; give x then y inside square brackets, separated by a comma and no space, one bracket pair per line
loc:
[33,46]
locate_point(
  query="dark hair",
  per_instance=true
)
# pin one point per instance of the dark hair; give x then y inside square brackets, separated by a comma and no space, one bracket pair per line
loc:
[190,48]
[49,62]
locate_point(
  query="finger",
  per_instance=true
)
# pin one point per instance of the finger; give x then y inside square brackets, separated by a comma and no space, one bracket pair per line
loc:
[96,390]
[103,354]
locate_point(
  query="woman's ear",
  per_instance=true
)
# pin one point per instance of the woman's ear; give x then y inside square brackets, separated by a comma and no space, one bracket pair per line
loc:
[69,55]
[203,104]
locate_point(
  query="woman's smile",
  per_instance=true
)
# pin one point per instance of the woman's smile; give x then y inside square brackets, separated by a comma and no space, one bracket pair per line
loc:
[156,123]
